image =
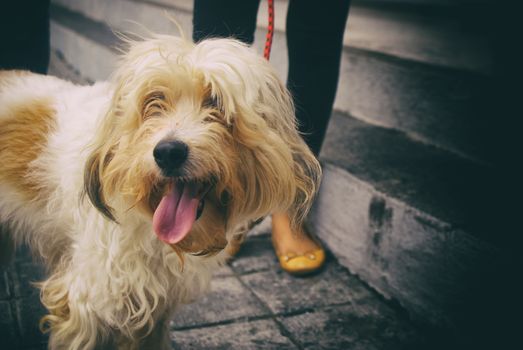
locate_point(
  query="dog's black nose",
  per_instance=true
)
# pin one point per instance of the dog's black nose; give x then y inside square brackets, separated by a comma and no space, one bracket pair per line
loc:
[170,155]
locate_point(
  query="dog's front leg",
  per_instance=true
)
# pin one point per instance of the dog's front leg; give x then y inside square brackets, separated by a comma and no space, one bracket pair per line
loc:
[93,297]
[71,320]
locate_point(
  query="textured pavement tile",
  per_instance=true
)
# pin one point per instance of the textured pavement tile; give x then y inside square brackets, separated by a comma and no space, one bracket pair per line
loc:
[28,273]
[228,300]
[224,271]
[62,69]
[42,346]
[256,254]
[284,293]
[30,311]
[4,284]
[370,326]
[7,325]
[262,334]
[23,253]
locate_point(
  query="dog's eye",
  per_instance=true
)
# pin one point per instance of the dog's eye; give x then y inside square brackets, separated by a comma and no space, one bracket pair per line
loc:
[210,102]
[154,104]
[215,114]
[214,118]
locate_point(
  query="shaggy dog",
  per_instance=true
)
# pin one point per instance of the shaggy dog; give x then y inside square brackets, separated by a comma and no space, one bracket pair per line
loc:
[133,191]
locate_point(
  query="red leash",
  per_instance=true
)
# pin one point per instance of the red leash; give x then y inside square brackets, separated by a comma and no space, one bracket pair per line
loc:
[270,31]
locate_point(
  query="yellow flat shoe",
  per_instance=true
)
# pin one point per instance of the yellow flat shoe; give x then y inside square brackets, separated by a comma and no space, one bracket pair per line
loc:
[306,263]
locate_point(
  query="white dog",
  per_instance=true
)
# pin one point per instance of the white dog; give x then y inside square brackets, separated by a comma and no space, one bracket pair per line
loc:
[133,190]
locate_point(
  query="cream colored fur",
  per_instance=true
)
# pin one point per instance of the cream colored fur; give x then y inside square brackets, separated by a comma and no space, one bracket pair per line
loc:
[88,212]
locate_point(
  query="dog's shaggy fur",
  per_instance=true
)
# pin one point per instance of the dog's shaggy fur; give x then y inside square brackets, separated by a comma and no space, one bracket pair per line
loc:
[80,183]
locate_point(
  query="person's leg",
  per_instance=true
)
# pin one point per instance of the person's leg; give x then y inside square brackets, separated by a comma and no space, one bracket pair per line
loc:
[24,29]
[315,40]
[225,18]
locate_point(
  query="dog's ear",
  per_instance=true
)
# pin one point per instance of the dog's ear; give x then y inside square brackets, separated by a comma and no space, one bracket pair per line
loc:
[278,171]
[93,183]
[307,177]
[99,181]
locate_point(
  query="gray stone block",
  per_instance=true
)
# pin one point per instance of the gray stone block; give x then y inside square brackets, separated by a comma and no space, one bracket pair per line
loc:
[71,45]
[60,68]
[42,346]
[405,254]
[4,284]
[283,293]
[23,253]
[256,254]
[7,247]
[228,300]
[29,311]
[441,107]
[367,325]
[28,273]
[262,334]
[8,331]
[224,271]
[427,178]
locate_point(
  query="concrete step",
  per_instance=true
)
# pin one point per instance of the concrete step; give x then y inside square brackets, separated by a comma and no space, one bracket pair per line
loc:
[415,222]
[405,29]
[399,70]
[410,218]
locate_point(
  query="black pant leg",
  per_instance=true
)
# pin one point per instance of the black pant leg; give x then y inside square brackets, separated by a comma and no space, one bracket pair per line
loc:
[315,41]
[225,18]
[24,35]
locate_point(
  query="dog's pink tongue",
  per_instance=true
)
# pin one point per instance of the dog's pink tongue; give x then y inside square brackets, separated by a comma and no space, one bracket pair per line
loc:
[176,213]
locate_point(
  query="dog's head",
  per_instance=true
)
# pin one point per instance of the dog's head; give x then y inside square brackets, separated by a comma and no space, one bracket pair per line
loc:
[200,139]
